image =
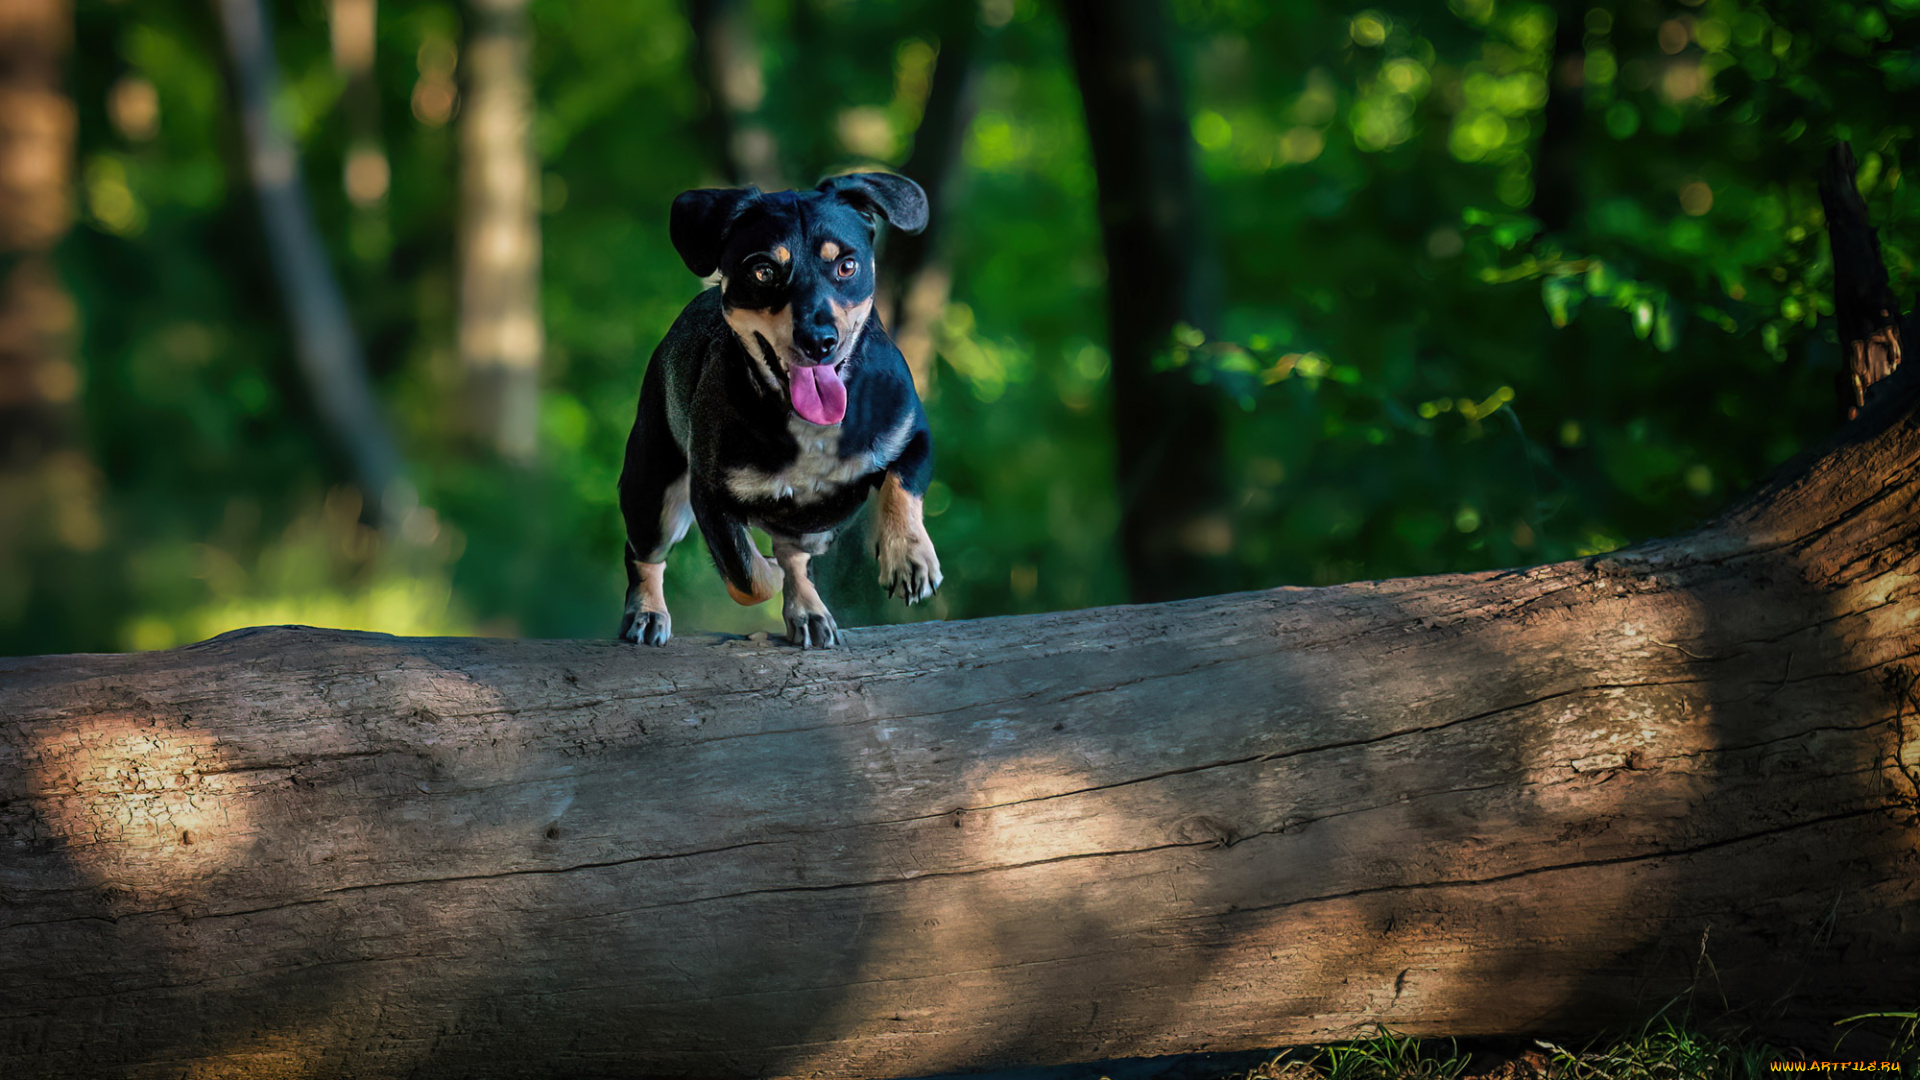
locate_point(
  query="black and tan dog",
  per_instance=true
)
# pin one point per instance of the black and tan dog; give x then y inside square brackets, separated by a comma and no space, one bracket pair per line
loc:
[778,401]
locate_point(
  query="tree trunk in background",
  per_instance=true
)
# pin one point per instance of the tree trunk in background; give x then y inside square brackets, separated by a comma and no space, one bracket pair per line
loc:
[1174,524]
[48,487]
[726,61]
[366,173]
[1865,314]
[501,334]
[1557,174]
[915,282]
[325,342]
[915,279]
[37,378]
[1550,800]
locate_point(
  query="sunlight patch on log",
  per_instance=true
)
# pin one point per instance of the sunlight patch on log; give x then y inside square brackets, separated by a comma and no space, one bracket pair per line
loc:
[135,800]
[979,905]
[266,1055]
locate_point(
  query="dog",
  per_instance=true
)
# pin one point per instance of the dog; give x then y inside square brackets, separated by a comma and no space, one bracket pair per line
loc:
[777,400]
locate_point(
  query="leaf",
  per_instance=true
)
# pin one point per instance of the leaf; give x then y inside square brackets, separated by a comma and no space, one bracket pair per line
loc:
[1666,326]
[1562,296]
[1508,230]
[1600,278]
[1642,318]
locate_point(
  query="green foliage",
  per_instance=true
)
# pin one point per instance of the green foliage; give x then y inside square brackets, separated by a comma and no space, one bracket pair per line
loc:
[1418,371]
[1662,1050]
[1388,1056]
[1666,1051]
[1384,1056]
[1679,355]
[1898,1032]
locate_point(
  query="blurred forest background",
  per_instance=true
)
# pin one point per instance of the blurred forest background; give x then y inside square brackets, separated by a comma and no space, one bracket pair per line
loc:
[335,311]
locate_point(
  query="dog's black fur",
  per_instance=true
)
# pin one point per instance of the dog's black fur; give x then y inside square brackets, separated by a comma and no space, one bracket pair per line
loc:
[721,438]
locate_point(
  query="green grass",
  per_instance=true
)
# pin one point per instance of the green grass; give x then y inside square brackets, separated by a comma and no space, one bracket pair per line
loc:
[1663,1050]
[1668,1051]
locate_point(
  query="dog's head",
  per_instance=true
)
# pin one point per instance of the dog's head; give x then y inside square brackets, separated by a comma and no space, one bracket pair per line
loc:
[796,273]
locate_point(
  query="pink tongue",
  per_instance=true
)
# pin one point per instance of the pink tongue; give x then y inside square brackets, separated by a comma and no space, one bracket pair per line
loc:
[818,394]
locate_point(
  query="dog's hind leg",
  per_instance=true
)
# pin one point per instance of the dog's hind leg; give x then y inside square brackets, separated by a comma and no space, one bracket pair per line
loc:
[751,578]
[654,501]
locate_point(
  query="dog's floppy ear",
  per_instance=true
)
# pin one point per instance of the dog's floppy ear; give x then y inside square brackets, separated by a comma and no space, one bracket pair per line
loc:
[700,222]
[889,195]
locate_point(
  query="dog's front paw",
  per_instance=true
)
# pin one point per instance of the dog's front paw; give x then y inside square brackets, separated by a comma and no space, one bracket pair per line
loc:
[647,627]
[909,567]
[644,620]
[810,625]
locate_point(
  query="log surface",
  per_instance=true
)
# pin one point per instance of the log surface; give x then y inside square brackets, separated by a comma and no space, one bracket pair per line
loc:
[1538,800]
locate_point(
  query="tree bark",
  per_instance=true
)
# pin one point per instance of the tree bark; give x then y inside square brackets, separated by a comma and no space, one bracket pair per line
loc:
[1169,444]
[1542,800]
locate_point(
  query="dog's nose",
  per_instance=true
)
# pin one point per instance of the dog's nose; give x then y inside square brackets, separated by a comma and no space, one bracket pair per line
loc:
[819,346]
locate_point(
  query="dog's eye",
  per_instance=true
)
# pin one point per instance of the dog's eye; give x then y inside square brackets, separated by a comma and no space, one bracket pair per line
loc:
[849,266]
[763,274]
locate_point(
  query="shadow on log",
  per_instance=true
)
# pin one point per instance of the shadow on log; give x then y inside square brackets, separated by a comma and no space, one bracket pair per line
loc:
[1536,800]
[1544,800]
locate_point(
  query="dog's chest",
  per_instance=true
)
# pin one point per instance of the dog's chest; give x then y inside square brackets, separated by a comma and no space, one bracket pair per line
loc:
[819,470]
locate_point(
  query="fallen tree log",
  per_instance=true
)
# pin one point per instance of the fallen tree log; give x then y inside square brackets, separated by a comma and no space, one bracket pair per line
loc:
[1534,800]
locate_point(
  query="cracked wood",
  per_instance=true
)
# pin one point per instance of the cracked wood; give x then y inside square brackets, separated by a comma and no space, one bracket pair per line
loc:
[1504,802]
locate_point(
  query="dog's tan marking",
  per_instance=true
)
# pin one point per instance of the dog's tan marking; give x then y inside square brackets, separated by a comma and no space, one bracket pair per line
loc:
[801,604]
[653,593]
[793,565]
[766,582]
[909,566]
[782,254]
[750,325]
[849,320]
[775,326]
[646,620]
[829,251]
